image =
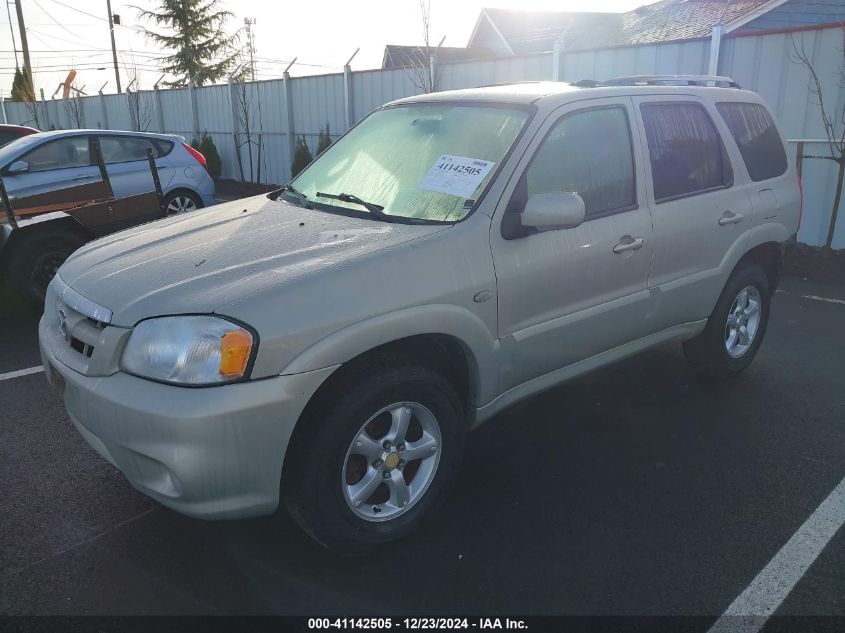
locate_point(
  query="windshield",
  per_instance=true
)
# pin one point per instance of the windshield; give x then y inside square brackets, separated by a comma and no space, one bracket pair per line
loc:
[421,161]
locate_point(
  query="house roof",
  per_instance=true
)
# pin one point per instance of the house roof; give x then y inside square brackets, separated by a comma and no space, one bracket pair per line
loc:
[396,56]
[524,32]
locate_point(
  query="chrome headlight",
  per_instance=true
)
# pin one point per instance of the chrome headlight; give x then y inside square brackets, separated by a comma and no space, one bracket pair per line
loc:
[188,350]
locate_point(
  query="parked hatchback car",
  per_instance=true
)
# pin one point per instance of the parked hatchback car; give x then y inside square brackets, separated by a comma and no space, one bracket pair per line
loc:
[9,133]
[47,161]
[330,345]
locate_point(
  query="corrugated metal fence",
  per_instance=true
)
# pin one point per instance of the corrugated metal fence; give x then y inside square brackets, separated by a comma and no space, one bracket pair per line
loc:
[285,108]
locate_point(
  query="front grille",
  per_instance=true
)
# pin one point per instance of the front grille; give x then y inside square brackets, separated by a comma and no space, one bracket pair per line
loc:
[78,344]
[77,326]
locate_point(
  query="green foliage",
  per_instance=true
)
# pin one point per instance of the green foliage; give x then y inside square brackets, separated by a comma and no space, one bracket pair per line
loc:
[324,140]
[22,89]
[207,148]
[202,50]
[301,156]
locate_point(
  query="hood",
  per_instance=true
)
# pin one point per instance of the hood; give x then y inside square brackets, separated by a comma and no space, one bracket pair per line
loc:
[198,262]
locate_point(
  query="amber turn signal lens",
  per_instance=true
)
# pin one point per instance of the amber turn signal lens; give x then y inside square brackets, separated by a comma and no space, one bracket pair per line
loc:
[235,348]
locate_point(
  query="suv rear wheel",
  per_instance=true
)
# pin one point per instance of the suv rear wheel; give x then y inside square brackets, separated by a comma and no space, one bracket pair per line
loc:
[376,453]
[735,329]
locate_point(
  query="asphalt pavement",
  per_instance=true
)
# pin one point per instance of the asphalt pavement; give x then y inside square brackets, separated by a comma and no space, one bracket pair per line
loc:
[640,489]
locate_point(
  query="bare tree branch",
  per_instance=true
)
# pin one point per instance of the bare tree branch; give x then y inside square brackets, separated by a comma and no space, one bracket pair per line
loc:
[835,139]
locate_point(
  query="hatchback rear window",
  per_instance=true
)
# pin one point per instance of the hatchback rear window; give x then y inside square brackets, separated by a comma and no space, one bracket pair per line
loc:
[757,138]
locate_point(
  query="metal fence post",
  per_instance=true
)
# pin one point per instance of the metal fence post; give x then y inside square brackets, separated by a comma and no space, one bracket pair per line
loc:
[557,67]
[233,100]
[159,111]
[46,109]
[194,113]
[3,109]
[715,46]
[799,158]
[104,111]
[347,97]
[133,113]
[288,95]
[347,91]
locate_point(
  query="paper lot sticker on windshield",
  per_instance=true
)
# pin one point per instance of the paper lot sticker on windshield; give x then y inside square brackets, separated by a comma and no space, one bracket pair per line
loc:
[456,175]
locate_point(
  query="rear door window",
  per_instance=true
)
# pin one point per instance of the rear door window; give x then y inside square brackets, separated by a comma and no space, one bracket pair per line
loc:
[757,138]
[686,152]
[124,149]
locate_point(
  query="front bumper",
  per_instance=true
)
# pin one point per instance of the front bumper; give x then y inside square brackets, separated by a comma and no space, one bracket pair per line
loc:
[214,452]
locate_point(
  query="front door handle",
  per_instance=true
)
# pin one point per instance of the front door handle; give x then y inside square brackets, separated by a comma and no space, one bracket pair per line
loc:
[83,177]
[729,217]
[628,243]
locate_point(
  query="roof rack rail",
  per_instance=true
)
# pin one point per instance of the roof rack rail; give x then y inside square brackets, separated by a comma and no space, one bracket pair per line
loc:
[672,80]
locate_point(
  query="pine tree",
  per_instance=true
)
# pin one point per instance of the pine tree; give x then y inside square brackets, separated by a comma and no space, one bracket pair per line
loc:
[22,89]
[324,140]
[301,157]
[202,51]
[207,148]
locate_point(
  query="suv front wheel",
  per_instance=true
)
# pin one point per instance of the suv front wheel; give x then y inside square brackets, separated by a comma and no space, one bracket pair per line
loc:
[736,327]
[375,453]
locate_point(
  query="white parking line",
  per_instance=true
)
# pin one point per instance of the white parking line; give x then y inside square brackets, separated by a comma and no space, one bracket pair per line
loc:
[812,297]
[749,612]
[825,299]
[21,372]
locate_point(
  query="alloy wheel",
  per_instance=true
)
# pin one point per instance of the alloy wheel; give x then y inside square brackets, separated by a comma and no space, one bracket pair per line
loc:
[391,462]
[743,322]
[181,204]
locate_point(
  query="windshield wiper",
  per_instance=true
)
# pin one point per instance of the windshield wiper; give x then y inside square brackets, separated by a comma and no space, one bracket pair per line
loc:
[298,195]
[375,209]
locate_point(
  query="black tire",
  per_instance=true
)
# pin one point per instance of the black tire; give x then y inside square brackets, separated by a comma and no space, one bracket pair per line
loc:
[36,257]
[707,352]
[182,195]
[312,484]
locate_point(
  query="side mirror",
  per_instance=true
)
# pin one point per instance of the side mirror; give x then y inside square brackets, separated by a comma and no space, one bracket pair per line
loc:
[18,167]
[554,210]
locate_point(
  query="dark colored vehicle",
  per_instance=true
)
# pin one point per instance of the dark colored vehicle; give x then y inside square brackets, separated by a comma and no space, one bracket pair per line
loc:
[9,133]
[40,231]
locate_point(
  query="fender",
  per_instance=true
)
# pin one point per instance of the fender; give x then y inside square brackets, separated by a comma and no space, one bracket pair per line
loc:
[769,232]
[343,345]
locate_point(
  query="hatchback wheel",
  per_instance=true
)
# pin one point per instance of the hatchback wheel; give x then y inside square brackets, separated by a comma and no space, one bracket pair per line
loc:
[375,453]
[179,202]
[736,327]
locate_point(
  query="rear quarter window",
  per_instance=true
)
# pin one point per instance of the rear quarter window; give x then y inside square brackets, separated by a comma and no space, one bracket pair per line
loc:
[757,138]
[164,147]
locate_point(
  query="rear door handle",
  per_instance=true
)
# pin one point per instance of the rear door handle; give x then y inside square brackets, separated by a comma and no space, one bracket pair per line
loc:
[628,243]
[729,217]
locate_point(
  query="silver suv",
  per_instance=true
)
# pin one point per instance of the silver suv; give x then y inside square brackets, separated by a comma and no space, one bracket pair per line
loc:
[328,346]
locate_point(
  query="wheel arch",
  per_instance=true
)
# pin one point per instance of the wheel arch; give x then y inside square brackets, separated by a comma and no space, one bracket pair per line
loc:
[447,338]
[64,226]
[769,256]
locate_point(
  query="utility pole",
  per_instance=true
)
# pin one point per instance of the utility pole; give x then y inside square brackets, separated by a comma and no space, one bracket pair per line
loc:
[12,29]
[24,45]
[113,48]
